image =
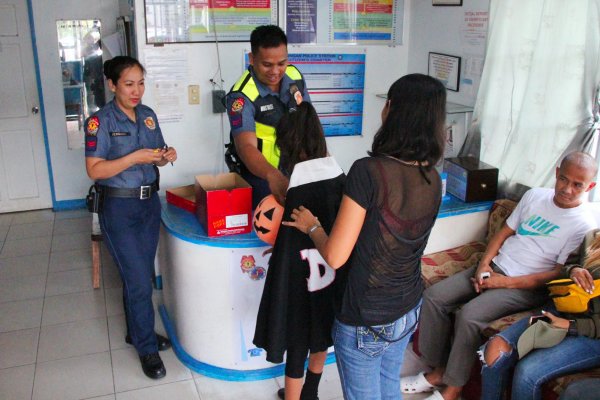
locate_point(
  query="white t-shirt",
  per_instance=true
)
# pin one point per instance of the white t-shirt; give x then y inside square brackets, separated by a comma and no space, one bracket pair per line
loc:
[545,234]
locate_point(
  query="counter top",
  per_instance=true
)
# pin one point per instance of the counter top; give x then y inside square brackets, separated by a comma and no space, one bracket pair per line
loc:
[184,225]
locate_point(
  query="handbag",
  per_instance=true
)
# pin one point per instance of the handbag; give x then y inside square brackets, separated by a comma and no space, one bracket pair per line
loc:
[569,297]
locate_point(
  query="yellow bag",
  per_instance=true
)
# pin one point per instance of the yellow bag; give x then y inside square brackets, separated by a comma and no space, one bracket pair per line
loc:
[569,297]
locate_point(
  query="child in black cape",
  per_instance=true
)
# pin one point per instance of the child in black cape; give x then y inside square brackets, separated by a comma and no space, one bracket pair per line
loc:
[297,307]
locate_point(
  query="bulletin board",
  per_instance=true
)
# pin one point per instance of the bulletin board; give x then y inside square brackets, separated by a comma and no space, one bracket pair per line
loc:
[182,21]
[372,22]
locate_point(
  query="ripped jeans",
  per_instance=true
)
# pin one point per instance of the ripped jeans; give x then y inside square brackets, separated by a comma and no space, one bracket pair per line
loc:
[574,353]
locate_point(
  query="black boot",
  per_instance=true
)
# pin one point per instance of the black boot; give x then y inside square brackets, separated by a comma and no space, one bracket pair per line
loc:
[153,366]
[310,389]
[163,342]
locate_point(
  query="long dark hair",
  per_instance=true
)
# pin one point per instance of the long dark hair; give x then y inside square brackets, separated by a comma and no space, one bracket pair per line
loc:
[300,136]
[114,67]
[414,127]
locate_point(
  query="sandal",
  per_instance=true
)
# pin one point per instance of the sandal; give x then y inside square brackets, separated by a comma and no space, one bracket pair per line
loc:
[415,384]
[436,395]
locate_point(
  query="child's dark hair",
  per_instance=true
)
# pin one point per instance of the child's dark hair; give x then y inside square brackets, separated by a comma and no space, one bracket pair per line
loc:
[267,36]
[414,129]
[300,136]
[113,68]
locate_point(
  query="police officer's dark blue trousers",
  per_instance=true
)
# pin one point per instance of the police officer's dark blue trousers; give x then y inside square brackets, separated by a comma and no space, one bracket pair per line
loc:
[130,227]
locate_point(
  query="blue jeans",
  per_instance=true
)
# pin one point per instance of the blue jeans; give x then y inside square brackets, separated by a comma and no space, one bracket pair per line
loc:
[574,353]
[130,228]
[369,366]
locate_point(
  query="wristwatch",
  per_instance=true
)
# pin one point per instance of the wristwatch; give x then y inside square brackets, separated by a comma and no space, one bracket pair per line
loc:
[572,328]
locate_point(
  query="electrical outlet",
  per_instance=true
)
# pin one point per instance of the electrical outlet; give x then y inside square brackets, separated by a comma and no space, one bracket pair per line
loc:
[194,94]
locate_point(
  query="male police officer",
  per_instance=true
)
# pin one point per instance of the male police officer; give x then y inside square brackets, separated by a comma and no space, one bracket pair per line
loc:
[268,89]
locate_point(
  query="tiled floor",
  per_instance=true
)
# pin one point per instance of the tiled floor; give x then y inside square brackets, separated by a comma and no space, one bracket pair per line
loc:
[60,339]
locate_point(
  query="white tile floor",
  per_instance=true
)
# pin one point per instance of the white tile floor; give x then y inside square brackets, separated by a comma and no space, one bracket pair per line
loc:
[60,339]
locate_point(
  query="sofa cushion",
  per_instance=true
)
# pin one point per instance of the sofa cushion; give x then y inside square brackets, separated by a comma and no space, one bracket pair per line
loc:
[498,214]
[559,384]
[502,323]
[438,266]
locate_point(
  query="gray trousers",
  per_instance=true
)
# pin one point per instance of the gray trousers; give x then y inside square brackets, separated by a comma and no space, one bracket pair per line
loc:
[473,313]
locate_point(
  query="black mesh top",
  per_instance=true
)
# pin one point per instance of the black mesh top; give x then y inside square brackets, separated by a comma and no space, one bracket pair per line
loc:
[384,275]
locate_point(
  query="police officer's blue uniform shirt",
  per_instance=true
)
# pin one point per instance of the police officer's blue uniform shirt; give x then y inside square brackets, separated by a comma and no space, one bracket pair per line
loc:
[110,134]
[243,119]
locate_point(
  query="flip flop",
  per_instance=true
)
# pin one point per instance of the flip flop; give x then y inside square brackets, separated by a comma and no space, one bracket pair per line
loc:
[436,395]
[415,384]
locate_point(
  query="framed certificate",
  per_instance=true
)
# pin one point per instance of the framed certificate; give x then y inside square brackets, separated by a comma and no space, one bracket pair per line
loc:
[446,2]
[446,68]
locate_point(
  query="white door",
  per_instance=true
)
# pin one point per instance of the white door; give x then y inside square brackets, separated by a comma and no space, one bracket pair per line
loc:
[24,182]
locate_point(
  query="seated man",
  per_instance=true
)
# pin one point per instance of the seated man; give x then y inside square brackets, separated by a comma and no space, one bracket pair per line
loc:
[528,251]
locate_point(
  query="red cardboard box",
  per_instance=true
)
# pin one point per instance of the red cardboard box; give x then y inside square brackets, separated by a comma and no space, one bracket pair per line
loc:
[223,204]
[183,197]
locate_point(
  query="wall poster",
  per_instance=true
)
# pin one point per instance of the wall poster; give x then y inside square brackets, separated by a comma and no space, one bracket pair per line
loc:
[374,22]
[177,21]
[336,85]
[366,21]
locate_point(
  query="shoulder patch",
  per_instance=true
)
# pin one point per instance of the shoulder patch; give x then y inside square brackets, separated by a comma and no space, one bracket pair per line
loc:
[149,121]
[238,105]
[92,126]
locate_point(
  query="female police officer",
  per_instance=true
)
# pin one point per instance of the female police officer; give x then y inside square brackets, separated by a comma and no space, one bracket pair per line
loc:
[123,147]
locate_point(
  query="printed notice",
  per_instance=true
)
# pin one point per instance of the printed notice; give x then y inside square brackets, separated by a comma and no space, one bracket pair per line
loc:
[445,68]
[301,21]
[166,69]
[172,21]
[366,21]
[473,32]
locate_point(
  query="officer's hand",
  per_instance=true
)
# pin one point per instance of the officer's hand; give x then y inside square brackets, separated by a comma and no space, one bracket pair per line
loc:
[170,154]
[278,184]
[147,156]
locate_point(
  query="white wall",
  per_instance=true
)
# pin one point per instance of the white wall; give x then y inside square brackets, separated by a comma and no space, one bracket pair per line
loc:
[439,30]
[199,135]
[68,166]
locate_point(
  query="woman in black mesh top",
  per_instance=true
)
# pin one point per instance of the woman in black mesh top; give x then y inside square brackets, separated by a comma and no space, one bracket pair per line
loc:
[390,204]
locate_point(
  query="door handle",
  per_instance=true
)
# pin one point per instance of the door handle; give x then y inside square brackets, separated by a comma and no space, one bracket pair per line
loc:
[35,110]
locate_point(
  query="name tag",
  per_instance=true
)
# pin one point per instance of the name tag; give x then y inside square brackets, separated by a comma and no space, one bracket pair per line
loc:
[267,107]
[114,134]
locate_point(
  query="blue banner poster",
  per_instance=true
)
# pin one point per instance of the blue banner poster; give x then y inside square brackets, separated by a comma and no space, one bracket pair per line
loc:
[336,85]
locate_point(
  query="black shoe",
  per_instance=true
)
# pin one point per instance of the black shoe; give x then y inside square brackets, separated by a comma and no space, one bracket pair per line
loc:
[281,394]
[163,342]
[153,366]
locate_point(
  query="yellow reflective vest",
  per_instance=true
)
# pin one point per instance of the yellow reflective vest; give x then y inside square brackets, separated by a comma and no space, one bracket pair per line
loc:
[268,111]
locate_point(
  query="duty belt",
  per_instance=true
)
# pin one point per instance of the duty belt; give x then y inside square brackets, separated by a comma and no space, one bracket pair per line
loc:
[142,192]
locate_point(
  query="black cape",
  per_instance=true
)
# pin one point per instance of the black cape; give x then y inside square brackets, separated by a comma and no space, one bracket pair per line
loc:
[290,316]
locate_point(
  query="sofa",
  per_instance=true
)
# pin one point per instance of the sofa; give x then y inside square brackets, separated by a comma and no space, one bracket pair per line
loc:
[438,266]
